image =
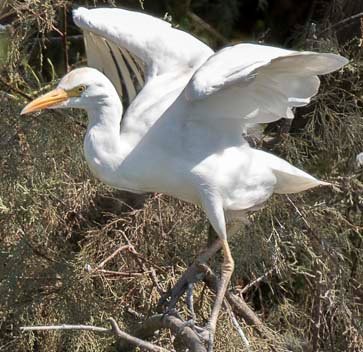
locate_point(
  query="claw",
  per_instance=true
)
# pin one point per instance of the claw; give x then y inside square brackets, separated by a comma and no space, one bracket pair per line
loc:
[190,301]
[189,323]
[171,311]
[202,333]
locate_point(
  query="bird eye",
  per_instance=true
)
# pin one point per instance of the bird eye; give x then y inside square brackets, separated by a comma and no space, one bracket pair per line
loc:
[81,89]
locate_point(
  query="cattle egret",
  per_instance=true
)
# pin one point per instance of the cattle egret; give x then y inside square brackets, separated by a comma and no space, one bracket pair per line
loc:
[183,132]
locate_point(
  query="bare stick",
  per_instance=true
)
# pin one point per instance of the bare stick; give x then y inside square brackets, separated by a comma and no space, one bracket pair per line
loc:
[139,259]
[119,273]
[134,340]
[237,326]
[15,90]
[240,307]
[115,330]
[166,321]
[207,27]
[117,251]
[66,327]
[65,39]
[316,310]
[259,279]
[345,20]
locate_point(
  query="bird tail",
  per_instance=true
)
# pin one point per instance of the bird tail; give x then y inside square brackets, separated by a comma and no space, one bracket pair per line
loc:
[290,179]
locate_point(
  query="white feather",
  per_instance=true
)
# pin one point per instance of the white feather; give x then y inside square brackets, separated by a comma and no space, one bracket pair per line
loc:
[134,31]
[182,134]
[256,83]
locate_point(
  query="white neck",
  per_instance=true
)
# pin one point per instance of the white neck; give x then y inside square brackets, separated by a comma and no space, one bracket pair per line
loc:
[106,114]
[103,146]
[112,152]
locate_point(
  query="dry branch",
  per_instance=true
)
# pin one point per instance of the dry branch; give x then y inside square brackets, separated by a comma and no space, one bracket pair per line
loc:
[316,309]
[239,306]
[117,251]
[166,321]
[15,89]
[66,327]
[342,22]
[196,272]
[207,27]
[134,340]
[237,326]
[259,279]
[115,330]
[65,40]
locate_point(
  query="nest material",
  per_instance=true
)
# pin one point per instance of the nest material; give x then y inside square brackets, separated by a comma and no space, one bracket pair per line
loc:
[56,220]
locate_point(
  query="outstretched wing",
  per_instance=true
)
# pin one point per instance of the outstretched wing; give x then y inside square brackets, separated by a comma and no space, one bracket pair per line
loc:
[126,72]
[257,84]
[131,48]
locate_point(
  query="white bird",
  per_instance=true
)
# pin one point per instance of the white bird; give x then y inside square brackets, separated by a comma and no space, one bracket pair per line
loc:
[359,159]
[183,132]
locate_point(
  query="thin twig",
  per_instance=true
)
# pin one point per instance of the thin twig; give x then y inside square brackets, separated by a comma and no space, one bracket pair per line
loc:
[237,303]
[345,20]
[65,39]
[117,251]
[54,28]
[155,281]
[316,310]
[134,340]
[236,325]
[115,330]
[139,261]
[10,12]
[259,279]
[15,90]
[166,321]
[66,327]
[120,273]
[301,215]
[199,21]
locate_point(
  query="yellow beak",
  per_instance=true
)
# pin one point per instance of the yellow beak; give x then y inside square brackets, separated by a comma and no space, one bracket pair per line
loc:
[45,101]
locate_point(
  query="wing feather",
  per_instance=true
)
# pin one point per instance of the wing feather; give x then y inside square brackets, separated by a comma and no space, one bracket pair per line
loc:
[143,46]
[100,56]
[124,73]
[136,66]
[257,84]
[116,63]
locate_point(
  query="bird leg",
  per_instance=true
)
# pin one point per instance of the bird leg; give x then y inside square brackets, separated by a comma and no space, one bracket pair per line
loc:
[226,273]
[191,275]
[199,268]
[190,301]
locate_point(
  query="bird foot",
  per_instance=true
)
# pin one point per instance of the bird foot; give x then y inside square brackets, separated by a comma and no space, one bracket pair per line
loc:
[189,323]
[203,333]
[206,334]
[190,276]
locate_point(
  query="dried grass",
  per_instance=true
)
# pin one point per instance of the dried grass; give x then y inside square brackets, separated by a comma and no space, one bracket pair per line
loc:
[56,220]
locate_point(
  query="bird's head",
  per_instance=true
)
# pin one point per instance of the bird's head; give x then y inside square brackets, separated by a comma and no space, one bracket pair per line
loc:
[83,88]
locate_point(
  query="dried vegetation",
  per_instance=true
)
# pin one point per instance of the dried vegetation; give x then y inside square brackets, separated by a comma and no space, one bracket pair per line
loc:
[57,223]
